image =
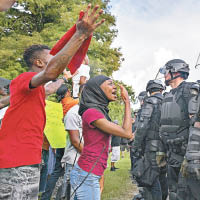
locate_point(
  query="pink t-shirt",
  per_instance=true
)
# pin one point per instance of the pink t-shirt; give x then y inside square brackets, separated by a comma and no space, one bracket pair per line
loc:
[96,143]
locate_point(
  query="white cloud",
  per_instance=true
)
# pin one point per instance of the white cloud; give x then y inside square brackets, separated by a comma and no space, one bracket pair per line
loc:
[151,33]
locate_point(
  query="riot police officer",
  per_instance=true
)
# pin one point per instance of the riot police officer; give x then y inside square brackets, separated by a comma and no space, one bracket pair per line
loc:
[147,144]
[174,128]
[141,97]
[191,165]
[136,115]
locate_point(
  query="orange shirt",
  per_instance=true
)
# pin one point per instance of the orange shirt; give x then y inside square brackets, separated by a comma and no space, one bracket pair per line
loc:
[67,103]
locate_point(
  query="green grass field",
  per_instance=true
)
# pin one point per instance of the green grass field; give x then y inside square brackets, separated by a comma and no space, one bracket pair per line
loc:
[118,185]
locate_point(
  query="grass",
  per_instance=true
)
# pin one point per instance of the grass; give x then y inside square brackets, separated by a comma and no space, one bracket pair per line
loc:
[118,185]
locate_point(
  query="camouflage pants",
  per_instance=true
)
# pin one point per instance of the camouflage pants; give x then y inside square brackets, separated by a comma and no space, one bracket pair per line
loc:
[20,183]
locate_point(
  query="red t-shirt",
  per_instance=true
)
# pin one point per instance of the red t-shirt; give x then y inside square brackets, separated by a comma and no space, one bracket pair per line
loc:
[21,133]
[95,142]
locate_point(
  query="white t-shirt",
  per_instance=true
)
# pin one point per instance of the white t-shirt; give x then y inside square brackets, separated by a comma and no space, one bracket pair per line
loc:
[72,121]
[84,70]
[2,112]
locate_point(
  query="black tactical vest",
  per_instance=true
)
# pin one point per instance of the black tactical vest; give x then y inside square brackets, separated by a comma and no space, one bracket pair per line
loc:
[154,124]
[152,140]
[193,149]
[174,112]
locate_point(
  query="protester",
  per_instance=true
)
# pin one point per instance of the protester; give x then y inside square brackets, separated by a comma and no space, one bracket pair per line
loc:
[51,161]
[56,174]
[115,148]
[64,96]
[97,128]
[44,168]
[23,124]
[74,146]
[81,76]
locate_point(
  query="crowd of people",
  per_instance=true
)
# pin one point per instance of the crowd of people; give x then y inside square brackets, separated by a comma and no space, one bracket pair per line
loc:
[163,135]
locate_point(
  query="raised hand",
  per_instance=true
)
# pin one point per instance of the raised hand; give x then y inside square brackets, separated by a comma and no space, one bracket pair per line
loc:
[88,23]
[124,94]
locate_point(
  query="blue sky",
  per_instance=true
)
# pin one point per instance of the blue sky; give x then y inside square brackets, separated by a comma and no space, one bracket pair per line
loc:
[151,32]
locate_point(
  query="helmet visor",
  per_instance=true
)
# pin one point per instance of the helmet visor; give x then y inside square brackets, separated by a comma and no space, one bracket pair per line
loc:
[173,67]
[163,70]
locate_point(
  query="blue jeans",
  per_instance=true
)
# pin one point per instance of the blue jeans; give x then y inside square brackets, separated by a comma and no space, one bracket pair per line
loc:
[90,188]
[44,170]
[51,161]
[58,171]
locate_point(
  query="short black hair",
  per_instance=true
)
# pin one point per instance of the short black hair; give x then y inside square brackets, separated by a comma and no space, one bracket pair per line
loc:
[33,52]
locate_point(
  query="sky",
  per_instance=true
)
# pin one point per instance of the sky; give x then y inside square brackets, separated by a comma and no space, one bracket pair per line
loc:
[152,32]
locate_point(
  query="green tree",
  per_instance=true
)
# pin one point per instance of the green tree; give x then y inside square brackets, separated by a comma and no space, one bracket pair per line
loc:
[35,21]
[45,22]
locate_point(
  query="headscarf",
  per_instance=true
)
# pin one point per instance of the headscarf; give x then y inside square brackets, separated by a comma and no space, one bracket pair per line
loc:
[92,96]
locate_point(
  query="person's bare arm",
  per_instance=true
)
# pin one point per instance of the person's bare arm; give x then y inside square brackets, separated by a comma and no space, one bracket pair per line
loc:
[84,28]
[52,87]
[82,80]
[6,4]
[5,101]
[74,138]
[111,128]
[101,183]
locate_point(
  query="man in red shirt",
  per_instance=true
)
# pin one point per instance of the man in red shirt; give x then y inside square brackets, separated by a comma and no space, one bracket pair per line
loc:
[21,133]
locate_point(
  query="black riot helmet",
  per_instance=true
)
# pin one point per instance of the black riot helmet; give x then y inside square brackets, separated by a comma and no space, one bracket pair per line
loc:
[154,86]
[173,66]
[142,95]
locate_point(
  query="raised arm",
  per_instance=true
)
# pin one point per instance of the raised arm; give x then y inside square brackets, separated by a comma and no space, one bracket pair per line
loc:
[84,28]
[114,129]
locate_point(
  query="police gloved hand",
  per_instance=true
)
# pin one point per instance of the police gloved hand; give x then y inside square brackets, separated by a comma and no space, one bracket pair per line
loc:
[184,167]
[161,159]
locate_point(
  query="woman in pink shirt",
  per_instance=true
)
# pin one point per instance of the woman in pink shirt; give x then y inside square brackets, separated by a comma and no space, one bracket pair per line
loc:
[97,129]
